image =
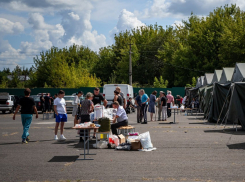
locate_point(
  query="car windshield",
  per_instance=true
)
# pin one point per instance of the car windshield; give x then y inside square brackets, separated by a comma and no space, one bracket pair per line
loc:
[69,98]
[35,97]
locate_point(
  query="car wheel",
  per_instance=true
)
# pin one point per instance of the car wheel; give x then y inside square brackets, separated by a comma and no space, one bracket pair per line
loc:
[3,112]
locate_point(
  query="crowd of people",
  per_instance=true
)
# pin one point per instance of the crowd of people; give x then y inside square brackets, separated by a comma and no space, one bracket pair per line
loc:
[83,108]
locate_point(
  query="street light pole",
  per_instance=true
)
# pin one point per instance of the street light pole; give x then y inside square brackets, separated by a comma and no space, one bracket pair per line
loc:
[130,66]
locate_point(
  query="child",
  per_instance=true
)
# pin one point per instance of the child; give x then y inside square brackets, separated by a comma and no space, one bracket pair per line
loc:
[61,114]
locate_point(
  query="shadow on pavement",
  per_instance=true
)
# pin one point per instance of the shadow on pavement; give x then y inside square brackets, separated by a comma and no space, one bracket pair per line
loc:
[205,123]
[195,118]
[80,145]
[237,146]
[227,131]
[64,142]
[64,159]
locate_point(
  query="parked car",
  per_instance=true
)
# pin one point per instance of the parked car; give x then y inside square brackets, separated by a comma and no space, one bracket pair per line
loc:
[37,102]
[69,102]
[7,102]
[108,92]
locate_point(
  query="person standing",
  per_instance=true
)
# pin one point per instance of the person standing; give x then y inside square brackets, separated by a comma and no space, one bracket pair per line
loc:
[123,97]
[47,102]
[118,98]
[164,106]
[169,101]
[159,105]
[76,103]
[55,96]
[98,97]
[151,108]
[144,104]
[86,108]
[121,117]
[138,104]
[42,102]
[61,114]
[28,106]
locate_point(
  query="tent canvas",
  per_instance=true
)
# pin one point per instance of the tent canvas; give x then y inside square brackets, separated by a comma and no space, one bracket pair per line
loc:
[239,73]
[217,76]
[198,84]
[220,92]
[202,80]
[236,111]
[208,78]
[226,75]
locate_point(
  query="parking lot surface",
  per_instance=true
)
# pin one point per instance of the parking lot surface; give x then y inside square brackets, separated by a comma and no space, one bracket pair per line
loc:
[190,150]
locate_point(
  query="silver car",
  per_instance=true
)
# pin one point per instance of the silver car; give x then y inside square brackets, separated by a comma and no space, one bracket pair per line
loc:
[69,102]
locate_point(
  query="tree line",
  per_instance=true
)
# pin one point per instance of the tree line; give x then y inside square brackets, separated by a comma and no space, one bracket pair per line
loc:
[173,56]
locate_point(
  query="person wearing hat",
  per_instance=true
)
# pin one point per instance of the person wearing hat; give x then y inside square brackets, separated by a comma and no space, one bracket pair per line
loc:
[76,103]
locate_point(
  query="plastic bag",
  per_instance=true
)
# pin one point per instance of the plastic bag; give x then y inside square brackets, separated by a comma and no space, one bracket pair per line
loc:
[145,140]
[101,145]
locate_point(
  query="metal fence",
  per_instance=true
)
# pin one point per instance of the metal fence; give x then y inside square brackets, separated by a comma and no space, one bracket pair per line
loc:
[68,91]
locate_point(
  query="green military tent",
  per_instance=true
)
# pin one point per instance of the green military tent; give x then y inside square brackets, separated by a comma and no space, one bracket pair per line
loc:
[239,73]
[217,76]
[236,110]
[226,75]
[218,109]
[208,78]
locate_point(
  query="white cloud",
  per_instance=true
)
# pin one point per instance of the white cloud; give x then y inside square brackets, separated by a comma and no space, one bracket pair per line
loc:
[126,21]
[8,27]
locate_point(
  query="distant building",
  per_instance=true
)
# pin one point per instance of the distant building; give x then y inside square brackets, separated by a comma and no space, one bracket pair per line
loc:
[22,78]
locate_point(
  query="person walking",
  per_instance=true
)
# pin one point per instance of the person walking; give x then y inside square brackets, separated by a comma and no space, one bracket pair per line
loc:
[159,105]
[121,118]
[61,114]
[164,107]
[144,104]
[76,103]
[27,105]
[151,108]
[138,104]
[169,101]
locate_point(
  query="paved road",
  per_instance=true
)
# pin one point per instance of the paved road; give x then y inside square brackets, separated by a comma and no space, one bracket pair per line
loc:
[190,150]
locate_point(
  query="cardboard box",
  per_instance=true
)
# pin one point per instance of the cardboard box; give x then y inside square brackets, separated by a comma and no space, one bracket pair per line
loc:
[136,144]
[121,139]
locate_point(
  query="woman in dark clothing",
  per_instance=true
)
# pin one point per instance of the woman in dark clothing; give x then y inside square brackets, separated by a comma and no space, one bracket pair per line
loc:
[118,98]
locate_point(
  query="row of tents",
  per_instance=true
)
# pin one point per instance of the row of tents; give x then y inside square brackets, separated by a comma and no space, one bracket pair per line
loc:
[221,95]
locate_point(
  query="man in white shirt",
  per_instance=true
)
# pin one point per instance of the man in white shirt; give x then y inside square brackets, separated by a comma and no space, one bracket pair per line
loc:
[121,117]
[61,114]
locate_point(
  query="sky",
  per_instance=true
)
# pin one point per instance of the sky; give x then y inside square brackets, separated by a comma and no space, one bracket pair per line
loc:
[28,27]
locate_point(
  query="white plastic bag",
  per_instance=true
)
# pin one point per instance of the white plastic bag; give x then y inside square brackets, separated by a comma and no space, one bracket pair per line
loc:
[101,145]
[145,140]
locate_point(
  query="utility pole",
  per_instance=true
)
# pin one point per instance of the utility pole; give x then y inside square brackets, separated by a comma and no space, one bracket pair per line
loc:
[130,66]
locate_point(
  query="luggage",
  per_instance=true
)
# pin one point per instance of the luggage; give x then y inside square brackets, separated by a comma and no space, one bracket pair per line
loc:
[105,124]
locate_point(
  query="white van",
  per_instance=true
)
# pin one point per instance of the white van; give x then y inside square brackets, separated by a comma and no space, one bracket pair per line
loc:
[108,92]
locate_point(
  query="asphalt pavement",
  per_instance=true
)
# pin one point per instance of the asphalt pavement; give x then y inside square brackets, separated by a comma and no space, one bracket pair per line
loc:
[190,150]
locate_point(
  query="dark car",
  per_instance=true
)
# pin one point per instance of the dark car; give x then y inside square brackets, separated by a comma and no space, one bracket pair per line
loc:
[37,102]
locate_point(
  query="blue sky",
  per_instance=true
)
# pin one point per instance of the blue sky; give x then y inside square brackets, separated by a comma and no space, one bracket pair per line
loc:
[29,26]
